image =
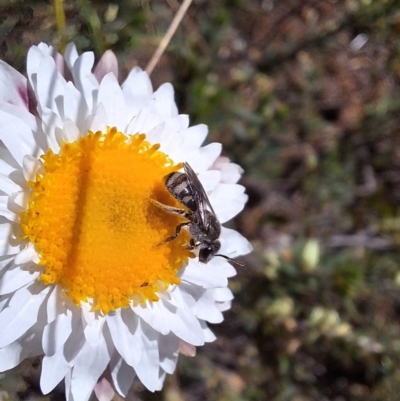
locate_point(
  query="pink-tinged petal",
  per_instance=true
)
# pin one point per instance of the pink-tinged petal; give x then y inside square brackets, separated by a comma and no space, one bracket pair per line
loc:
[104,390]
[54,369]
[13,87]
[187,349]
[108,63]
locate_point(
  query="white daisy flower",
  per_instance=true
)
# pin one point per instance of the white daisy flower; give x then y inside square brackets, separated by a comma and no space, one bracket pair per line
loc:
[83,279]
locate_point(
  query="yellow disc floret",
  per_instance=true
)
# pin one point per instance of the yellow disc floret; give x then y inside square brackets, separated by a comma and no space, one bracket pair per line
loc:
[93,226]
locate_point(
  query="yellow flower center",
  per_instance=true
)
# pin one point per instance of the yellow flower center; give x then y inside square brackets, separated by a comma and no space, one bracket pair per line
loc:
[93,226]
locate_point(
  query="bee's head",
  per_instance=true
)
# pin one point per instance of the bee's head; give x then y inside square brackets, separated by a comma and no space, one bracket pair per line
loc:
[208,250]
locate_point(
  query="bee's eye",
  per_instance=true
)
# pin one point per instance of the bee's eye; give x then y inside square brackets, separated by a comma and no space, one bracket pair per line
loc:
[205,254]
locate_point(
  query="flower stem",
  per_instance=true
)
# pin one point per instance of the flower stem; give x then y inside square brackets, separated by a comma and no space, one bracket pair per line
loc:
[60,21]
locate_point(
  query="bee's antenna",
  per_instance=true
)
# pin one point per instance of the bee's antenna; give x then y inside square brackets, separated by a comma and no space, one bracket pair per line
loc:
[231,260]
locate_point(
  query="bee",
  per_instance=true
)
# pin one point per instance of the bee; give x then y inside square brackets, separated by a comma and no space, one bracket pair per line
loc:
[202,222]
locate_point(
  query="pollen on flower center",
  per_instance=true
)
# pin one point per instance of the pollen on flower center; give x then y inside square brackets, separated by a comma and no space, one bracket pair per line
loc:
[93,226]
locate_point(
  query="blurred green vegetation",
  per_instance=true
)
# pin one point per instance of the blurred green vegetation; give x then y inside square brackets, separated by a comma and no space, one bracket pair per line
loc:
[304,94]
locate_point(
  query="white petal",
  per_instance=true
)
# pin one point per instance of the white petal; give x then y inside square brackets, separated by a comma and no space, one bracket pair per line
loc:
[125,333]
[234,244]
[184,324]
[110,96]
[6,157]
[75,109]
[7,186]
[148,367]
[222,294]
[98,120]
[69,133]
[196,135]
[208,334]
[54,369]
[50,84]
[21,314]
[144,122]
[137,84]
[10,356]
[8,243]
[6,262]
[93,332]
[88,367]
[203,275]
[227,210]
[169,346]
[18,202]
[153,314]
[16,278]
[58,303]
[202,159]
[17,137]
[76,340]
[71,55]
[164,101]
[206,309]
[84,80]
[31,167]
[56,333]
[50,122]
[210,179]
[122,374]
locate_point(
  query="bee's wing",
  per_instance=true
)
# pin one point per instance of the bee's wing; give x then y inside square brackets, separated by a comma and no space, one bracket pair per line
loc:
[198,191]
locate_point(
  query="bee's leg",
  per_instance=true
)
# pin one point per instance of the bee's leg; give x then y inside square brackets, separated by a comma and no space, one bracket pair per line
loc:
[177,232]
[191,245]
[170,209]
